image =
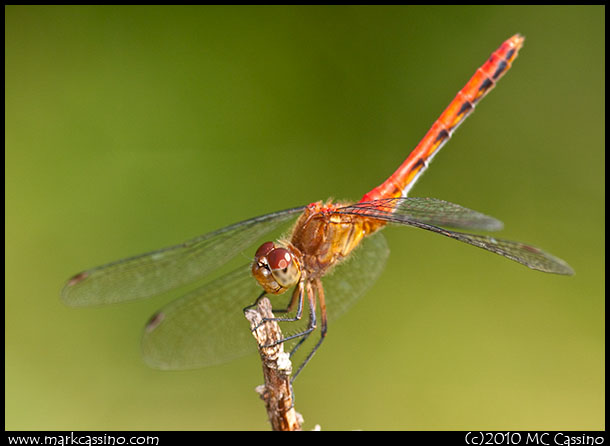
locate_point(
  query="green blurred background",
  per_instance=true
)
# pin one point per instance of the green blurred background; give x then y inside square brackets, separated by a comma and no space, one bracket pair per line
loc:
[133,128]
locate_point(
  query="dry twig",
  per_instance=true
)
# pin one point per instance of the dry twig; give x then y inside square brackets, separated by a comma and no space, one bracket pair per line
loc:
[277,391]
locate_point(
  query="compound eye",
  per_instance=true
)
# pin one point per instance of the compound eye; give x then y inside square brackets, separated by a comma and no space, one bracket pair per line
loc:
[284,268]
[275,268]
[264,249]
[279,258]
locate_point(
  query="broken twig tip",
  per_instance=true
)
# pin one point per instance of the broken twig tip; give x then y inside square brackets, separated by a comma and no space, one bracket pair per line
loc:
[277,368]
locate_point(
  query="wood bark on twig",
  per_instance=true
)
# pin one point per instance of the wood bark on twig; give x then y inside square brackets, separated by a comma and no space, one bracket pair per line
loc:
[277,368]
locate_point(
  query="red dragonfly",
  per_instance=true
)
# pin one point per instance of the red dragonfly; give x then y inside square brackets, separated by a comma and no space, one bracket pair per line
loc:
[203,327]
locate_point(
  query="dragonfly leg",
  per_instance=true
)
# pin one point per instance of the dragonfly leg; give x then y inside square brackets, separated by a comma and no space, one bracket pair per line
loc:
[323,329]
[312,321]
[310,326]
[297,296]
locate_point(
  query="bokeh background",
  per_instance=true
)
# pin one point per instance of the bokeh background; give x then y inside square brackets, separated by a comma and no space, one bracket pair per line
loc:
[134,128]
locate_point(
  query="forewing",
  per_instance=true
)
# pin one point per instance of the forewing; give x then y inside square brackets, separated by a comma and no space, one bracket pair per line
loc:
[432,211]
[525,254]
[162,270]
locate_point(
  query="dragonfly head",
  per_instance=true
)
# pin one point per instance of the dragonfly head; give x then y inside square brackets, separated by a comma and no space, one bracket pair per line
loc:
[275,268]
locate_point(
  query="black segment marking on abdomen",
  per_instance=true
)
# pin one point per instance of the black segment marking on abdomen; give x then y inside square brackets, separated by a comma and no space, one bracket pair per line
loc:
[501,69]
[486,85]
[466,107]
[422,162]
[442,135]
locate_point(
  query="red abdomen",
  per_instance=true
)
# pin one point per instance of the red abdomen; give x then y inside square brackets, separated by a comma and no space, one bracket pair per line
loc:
[485,78]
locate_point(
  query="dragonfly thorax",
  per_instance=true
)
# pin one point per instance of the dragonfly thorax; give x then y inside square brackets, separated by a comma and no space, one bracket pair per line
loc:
[276,268]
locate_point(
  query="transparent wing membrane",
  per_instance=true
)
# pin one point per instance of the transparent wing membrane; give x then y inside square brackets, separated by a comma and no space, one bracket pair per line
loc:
[207,326]
[204,327]
[425,213]
[162,270]
[528,255]
[352,278]
[426,210]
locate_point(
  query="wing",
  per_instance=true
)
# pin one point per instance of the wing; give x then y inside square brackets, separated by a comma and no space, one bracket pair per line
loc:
[528,255]
[353,277]
[426,213]
[162,270]
[207,326]
[432,211]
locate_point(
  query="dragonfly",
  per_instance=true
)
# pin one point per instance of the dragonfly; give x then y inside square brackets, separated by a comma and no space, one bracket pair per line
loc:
[316,260]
